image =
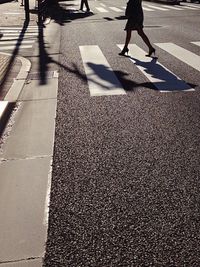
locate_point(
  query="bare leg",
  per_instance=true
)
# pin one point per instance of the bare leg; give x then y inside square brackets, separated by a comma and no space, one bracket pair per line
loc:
[145,38]
[87,6]
[128,38]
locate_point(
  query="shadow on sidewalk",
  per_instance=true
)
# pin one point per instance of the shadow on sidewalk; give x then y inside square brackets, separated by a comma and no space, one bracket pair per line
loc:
[15,52]
[61,16]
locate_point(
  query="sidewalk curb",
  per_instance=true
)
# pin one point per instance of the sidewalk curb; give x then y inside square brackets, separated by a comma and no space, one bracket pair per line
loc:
[12,96]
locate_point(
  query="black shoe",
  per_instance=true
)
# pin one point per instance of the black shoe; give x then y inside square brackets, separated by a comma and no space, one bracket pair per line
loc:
[151,51]
[124,51]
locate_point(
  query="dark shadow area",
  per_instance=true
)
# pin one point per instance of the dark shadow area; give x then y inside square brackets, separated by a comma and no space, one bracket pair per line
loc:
[5,1]
[61,16]
[164,79]
[15,51]
[106,74]
[108,19]
[59,13]
[121,17]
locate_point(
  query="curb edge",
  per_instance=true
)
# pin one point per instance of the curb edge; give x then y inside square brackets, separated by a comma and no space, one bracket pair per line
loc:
[12,95]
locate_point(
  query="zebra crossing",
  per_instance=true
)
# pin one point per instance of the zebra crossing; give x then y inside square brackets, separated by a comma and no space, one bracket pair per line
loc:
[102,8]
[102,80]
[11,38]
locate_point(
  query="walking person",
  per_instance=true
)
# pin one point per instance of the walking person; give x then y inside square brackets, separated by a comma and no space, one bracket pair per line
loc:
[135,16]
[85,2]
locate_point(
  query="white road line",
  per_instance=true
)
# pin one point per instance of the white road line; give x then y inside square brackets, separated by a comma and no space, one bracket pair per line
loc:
[3,106]
[147,9]
[103,5]
[188,7]
[11,42]
[116,9]
[17,31]
[196,43]
[25,34]
[183,54]
[173,7]
[12,47]
[101,9]
[193,6]
[163,79]
[156,7]
[13,13]
[19,28]
[13,38]
[101,78]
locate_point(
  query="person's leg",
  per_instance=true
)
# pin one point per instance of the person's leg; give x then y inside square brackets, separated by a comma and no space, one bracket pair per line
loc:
[87,6]
[81,7]
[128,38]
[146,40]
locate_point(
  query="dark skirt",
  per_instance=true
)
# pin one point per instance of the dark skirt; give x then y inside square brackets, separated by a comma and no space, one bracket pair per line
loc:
[135,21]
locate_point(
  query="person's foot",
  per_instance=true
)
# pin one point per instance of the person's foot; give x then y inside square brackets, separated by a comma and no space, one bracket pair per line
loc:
[124,51]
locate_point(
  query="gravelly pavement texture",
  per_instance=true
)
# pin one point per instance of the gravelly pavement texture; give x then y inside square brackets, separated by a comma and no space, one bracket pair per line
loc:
[125,185]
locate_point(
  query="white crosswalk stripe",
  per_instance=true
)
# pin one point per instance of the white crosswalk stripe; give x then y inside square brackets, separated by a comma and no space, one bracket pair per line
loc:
[12,47]
[149,8]
[196,43]
[116,9]
[193,5]
[102,10]
[173,7]
[162,78]
[156,7]
[11,38]
[101,78]
[188,7]
[182,54]
[102,81]
[11,42]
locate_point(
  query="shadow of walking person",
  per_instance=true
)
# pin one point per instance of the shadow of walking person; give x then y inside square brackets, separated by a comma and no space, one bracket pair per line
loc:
[160,76]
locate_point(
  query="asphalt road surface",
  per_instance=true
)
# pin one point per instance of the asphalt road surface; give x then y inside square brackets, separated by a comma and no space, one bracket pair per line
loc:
[125,188]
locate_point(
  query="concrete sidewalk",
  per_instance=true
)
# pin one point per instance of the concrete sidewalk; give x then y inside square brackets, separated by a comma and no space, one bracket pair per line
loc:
[26,150]
[13,15]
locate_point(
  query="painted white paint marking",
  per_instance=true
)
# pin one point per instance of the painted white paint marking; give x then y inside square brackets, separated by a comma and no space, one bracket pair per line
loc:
[196,43]
[3,106]
[12,47]
[13,13]
[182,54]
[173,7]
[15,42]
[102,10]
[19,28]
[16,31]
[101,78]
[192,5]
[25,34]
[156,7]
[116,9]
[188,7]
[147,9]
[162,78]
[16,38]
[103,5]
